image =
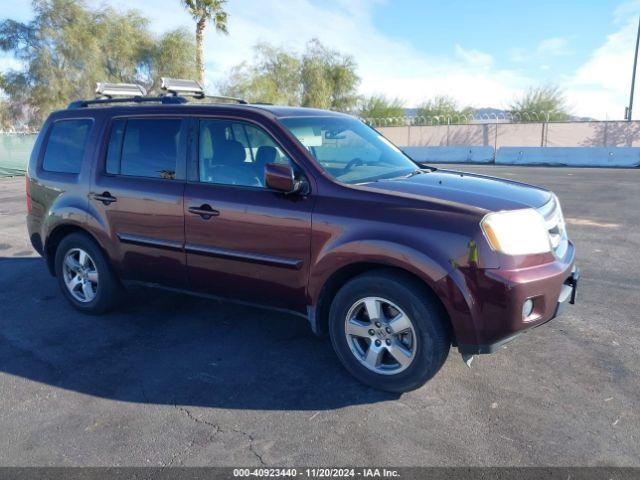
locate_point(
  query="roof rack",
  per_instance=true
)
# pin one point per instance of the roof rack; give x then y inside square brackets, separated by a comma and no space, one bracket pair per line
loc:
[193,89]
[110,90]
[175,89]
[177,86]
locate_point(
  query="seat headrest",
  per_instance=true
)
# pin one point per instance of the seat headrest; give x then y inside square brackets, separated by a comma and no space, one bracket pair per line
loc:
[229,152]
[265,154]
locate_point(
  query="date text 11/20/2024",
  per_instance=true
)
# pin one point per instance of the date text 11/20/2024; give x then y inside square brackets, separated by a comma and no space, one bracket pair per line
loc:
[316,472]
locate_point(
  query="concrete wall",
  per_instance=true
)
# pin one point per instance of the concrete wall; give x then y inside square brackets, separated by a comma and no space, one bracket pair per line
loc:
[450,154]
[604,144]
[570,156]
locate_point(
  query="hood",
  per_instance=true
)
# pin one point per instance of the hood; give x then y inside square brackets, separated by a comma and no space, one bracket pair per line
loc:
[481,191]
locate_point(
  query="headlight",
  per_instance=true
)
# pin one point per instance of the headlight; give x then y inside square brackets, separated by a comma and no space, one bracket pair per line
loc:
[516,232]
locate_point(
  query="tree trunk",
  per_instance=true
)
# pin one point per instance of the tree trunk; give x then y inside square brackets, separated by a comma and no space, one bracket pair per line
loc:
[200,48]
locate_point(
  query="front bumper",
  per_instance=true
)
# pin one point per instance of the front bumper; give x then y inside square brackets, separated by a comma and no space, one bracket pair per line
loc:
[510,324]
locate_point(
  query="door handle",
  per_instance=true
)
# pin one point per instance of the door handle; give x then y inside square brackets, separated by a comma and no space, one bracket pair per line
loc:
[205,211]
[105,197]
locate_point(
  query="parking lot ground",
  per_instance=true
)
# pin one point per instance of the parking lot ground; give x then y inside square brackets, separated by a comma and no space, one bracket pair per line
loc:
[171,379]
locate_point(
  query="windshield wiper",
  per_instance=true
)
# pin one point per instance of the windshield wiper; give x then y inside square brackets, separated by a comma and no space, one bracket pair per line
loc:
[415,172]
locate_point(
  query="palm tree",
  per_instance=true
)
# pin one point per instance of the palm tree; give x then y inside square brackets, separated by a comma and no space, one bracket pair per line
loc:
[201,11]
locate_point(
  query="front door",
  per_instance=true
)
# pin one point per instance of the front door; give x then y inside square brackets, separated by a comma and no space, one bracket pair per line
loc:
[138,192]
[244,240]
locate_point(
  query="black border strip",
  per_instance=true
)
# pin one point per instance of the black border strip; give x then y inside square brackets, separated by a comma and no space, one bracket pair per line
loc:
[374,471]
[258,258]
[149,242]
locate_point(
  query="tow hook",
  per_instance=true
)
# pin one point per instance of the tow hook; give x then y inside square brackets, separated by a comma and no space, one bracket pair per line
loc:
[466,358]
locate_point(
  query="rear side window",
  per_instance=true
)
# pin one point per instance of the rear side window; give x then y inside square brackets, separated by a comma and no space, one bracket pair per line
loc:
[144,148]
[65,146]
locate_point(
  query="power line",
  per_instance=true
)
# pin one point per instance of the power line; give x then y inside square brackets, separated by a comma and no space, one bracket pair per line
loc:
[629,112]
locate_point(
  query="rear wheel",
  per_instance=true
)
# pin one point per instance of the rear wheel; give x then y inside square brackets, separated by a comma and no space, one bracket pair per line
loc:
[85,276]
[388,331]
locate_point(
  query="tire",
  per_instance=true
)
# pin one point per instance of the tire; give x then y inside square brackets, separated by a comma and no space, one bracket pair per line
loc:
[105,293]
[427,340]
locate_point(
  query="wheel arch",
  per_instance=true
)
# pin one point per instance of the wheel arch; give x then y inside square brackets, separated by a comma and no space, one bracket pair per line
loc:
[56,235]
[333,268]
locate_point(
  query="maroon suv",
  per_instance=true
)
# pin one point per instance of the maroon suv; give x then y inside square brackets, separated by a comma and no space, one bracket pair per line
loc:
[298,209]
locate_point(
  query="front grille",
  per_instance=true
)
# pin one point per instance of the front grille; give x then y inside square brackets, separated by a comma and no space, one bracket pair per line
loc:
[554,221]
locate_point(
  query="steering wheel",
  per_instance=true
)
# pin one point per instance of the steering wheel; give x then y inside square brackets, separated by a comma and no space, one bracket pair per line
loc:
[353,163]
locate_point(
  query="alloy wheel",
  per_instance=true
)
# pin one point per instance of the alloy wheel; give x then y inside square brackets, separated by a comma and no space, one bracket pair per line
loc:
[380,335]
[80,275]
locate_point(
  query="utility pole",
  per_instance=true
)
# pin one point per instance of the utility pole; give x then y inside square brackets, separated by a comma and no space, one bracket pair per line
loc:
[629,109]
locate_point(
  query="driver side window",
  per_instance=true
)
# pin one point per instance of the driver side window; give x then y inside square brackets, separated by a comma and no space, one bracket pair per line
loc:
[235,153]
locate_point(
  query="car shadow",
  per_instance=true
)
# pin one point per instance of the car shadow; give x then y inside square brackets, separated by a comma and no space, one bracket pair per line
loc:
[166,348]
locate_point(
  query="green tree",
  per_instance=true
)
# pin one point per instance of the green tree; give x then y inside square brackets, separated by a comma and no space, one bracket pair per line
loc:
[68,47]
[204,11]
[320,77]
[441,109]
[381,111]
[5,116]
[329,78]
[172,56]
[272,77]
[543,103]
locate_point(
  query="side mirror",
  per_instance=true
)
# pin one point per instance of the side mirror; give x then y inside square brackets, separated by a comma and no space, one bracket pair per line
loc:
[281,177]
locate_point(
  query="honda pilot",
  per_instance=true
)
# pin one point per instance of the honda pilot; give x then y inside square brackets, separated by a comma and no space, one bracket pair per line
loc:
[303,210]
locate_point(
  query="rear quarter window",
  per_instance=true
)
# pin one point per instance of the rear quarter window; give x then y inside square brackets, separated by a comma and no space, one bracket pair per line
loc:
[65,146]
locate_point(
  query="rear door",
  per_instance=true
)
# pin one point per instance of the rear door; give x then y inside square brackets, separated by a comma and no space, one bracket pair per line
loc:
[244,240]
[138,191]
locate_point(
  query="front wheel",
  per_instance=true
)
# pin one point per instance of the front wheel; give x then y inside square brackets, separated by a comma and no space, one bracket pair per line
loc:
[388,331]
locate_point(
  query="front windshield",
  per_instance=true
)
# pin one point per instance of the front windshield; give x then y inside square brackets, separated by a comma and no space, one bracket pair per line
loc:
[348,150]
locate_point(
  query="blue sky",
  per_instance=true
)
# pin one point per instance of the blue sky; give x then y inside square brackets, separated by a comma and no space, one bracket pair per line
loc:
[481,53]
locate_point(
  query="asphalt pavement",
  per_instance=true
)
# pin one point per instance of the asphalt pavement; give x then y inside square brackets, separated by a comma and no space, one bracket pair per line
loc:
[170,379]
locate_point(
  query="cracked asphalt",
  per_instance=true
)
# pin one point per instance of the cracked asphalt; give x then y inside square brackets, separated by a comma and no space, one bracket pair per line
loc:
[176,380]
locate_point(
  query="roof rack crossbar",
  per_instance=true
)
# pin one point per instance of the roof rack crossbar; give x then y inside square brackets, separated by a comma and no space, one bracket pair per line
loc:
[223,97]
[137,99]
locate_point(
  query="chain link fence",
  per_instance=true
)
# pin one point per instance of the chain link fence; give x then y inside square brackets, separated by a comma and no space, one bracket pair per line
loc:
[463,118]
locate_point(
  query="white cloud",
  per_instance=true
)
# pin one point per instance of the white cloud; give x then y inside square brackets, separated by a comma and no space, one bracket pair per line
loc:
[549,47]
[473,57]
[555,46]
[600,87]
[518,55]
[386,65]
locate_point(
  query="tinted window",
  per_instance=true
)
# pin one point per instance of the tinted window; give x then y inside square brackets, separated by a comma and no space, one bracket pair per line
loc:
[114,150]
[65,146]
[149,149]
[235,153]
